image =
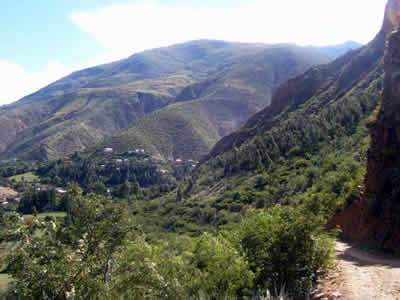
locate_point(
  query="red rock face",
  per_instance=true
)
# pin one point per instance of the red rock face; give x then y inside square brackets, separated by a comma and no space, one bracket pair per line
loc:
[382,197]
[375,219]
[385,131]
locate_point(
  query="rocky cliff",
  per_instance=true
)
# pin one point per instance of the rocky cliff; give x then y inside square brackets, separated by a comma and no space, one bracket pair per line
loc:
[375,219]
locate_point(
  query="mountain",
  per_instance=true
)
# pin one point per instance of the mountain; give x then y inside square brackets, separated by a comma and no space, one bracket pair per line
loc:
[211,109]
[312,93]
[336,50]
[81,109]
[307,149]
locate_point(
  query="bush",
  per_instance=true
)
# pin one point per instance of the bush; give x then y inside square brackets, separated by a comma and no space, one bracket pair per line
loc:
[219,269]
[285,247]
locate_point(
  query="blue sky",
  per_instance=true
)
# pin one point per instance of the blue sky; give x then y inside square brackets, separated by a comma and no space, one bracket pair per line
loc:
[43,40]
[36,31]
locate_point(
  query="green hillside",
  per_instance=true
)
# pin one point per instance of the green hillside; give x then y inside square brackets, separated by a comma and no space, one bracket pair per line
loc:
[308,149]
[283,147]
[81,109]
[211,109]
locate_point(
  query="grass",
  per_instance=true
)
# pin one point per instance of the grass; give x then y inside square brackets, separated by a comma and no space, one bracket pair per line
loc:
[27,177]
[5,279]
[56,214]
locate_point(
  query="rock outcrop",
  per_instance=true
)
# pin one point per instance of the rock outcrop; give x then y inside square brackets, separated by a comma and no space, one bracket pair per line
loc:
[375,219]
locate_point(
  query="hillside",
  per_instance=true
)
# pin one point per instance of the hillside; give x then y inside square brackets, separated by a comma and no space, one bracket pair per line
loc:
[255,218]
[213,108]
[81,109]
[337,50]
[307,149]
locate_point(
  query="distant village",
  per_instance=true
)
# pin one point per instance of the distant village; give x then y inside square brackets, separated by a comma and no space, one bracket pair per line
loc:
[110,151]
[10,197]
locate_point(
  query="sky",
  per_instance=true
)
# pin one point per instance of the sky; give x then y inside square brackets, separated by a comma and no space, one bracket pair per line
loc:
[44,40]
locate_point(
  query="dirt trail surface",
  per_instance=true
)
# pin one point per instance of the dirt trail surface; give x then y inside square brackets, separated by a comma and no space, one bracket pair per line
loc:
[362,276]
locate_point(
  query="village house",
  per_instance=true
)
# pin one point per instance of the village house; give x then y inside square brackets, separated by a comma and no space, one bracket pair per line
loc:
[108,150]
[60,190]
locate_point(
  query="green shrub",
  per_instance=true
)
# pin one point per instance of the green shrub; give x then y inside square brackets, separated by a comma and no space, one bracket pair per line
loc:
[285,247]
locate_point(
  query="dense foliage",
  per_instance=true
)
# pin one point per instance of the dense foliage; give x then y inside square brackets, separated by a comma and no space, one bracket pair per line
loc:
[89,171]
[285,248]
[97,253]
[316,160]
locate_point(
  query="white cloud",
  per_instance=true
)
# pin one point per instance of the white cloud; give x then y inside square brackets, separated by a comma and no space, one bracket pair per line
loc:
[127,28]
[16,82]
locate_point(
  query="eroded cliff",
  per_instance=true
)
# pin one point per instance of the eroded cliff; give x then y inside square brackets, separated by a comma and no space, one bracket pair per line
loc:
[375,218]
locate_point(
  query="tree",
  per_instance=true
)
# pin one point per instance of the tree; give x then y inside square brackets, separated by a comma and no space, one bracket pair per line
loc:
[285,247]
[99,188]
[179,195]
[124,190]
[70,200]
[52,199]
[218,269]
[68,261]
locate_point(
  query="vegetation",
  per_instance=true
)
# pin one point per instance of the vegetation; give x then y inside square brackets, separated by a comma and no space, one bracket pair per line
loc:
[321,170]
[54,215]
[249,221]
[27,177]
[96,253]
[311,154]
[5,279]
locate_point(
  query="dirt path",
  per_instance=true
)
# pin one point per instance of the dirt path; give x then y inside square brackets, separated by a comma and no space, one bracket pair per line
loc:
[362,276]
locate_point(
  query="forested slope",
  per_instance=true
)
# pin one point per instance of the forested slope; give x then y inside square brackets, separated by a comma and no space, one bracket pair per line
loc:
[307,149]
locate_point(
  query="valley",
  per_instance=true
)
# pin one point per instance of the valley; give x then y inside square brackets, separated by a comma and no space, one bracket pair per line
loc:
[208,170]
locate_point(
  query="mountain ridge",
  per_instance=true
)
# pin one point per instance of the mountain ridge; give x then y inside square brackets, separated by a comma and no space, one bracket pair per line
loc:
[79,110]
[296,91]
[307,149]
[223,102]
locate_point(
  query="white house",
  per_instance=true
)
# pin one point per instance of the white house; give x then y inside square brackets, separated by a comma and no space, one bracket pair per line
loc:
[60,190]
[108,150]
